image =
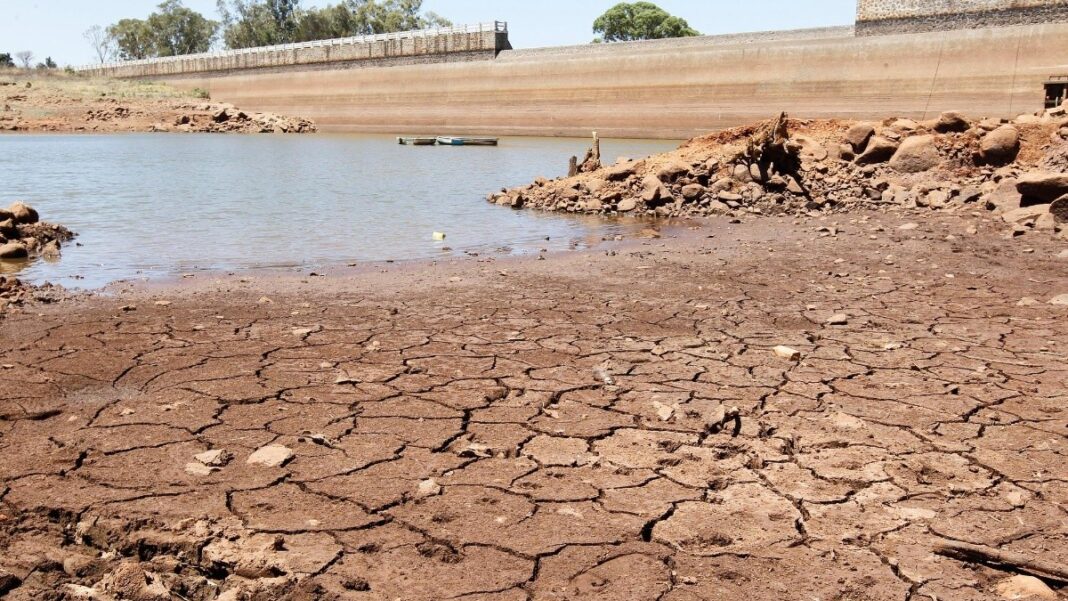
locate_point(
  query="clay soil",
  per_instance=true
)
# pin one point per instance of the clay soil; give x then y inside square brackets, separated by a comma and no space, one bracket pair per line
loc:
[510,429]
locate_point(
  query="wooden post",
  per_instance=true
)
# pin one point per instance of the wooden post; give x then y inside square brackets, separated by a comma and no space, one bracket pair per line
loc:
[596,148]
[572,167]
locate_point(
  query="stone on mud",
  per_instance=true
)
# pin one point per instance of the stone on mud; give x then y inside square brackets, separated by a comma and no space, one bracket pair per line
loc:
[880,149]
[1001,145]
[271,456]
[1024,587]
[951,122]
[915,155]
[859,135]
[1043,187]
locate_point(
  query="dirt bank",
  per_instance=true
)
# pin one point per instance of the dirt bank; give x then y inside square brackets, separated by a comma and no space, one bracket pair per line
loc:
[611,424]
[58,102]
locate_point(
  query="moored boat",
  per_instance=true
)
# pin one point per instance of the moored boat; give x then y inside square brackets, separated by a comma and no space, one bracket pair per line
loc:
[461,141]
[416,141]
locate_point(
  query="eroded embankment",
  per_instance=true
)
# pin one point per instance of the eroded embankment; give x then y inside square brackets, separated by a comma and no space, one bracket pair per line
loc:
[33,102]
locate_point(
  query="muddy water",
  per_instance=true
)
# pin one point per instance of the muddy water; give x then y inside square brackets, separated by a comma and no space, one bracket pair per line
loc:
[157,205]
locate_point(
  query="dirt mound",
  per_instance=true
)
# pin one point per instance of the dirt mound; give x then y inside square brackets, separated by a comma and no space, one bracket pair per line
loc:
[792,166]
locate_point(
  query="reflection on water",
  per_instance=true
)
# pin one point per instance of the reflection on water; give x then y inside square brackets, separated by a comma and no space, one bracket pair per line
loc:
[159,204]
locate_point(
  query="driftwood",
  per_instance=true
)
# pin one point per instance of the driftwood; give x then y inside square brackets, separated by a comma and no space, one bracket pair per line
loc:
[1017,562]
[592,160]
[769,148]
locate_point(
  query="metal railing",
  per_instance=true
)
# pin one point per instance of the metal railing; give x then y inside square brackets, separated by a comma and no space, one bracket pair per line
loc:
[489,27]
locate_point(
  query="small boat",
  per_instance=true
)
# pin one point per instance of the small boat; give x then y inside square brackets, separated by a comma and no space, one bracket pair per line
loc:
[414,141]
[456,141]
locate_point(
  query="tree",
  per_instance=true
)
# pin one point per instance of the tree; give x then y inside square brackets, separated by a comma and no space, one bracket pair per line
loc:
[25,58]
[251,23]
[171,31]
[178,30]
[133,38]
[47,64]
[6,60]
[102,43]
[626,22]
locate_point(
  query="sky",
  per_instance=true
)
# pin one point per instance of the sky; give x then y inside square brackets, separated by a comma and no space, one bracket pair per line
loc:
[54,27]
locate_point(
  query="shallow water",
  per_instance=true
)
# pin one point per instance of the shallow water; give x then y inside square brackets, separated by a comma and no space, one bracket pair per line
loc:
[157,204]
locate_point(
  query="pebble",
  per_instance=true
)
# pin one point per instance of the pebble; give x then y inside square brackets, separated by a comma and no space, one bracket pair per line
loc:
[1061,300]
[271,456]
[838,319]
[1063,254]
[214,458]
[909,226]
[1024,587]
[163,303]
[785,352]
[428,488]
[195,468]
[1027,301]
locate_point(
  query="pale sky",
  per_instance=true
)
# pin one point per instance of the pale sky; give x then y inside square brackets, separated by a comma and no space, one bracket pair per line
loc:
[54,27]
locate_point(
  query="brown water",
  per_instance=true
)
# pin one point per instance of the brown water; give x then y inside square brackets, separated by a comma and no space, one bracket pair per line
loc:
[160,204]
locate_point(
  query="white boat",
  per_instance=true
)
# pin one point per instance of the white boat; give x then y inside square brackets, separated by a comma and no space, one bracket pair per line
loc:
[462,141]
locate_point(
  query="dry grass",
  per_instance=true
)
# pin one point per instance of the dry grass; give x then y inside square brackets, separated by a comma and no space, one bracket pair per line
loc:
[73,85]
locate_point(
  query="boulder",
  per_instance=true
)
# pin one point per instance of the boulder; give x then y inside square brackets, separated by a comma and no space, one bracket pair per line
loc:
[951,121]
[1024,587]
[13,250]
[620,172]
[859,135]
[1001,145]
[1024,214]
[627,205]
[1005,197]
[905,125]
[671,172]
[741,174]
[879,150]
[693,191]
[1059,209]
[1042,187]
[915,155]
[653,190]
[23,213]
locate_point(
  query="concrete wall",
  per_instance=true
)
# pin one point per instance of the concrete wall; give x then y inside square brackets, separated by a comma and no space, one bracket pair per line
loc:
[399,50]
[670,90]
[883,17]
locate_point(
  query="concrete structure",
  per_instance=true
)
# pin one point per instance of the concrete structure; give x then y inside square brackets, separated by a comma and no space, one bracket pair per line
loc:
[881,17]
[666,88]
[448,44]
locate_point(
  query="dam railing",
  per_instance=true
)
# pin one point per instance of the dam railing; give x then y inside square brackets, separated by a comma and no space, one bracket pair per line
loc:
[487,27]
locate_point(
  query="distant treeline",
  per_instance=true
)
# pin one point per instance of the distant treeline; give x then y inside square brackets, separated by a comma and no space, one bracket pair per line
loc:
[174,29]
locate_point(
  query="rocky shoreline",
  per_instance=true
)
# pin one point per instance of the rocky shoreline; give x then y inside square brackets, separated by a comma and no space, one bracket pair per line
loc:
[791,167]
[23,236]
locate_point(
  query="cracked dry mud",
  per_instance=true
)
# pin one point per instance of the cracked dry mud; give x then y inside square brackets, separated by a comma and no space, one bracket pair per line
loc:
[515,429]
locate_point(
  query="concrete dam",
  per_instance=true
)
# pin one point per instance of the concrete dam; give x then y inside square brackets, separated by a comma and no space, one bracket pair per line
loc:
[906,58]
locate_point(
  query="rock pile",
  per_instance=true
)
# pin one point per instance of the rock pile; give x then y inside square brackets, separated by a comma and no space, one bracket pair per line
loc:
[225,118]
[1014,168]
[23,236]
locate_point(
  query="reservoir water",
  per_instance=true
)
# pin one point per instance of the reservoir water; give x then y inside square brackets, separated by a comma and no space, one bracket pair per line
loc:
[161,204]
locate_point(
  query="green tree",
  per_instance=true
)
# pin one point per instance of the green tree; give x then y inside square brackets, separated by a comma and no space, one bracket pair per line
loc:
[250,23]
[627,22]
[47,64]
[178,30]
[6,60]
[171,31]
[133,38]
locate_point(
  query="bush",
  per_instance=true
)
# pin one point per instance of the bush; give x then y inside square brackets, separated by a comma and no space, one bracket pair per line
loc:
[202,94]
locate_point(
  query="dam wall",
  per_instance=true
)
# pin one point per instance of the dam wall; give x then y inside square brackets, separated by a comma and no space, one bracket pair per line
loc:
[668,88]
[450,44]
[882,17]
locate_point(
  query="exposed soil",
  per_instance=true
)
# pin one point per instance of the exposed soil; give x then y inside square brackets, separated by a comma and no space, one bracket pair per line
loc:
[57,102]
[611,424]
